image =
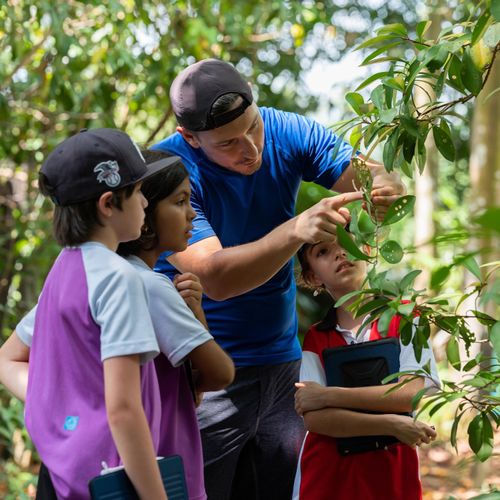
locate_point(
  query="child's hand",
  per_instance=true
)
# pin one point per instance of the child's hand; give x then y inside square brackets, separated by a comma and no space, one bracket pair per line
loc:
[189,286]
[198,398]
[309,396]
[412,432]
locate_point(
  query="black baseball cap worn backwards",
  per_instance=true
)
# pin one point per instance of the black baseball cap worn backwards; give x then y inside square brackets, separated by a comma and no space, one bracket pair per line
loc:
[197,87]
[94,161]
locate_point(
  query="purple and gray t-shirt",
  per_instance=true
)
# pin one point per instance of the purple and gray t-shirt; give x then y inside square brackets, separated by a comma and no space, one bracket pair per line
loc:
[93,306]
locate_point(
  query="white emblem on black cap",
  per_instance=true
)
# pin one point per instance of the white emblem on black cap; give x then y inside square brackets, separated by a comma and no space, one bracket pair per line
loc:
[107,172]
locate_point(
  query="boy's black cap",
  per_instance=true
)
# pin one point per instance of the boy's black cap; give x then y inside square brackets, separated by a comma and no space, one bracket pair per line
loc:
[197,87]
[94,161]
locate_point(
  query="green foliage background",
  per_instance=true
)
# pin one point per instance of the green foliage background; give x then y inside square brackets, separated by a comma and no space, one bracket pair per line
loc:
[69,65]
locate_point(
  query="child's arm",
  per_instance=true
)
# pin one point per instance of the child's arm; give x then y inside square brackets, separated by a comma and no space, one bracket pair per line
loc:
[213,368]
[312,396]
[14,356]
[129,426]
[338,422]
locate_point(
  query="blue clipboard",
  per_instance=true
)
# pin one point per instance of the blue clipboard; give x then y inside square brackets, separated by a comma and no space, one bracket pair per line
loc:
[362,365]
[117,486]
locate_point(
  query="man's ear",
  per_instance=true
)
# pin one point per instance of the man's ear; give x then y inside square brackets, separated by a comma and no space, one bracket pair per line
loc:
[189,137]
[311,279]
[105,204]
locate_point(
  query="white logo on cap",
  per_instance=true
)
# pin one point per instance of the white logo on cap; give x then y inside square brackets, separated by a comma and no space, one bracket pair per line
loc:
[108,173]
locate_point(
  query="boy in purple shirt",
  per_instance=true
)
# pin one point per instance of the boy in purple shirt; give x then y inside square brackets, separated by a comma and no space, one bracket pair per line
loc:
[92,391]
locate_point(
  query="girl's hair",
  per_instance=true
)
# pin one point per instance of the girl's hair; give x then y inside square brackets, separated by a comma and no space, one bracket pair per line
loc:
[304,266]
[74,224]
[156,188]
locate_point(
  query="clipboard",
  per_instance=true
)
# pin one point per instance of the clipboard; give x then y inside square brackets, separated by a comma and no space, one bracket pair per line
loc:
[117,486]
[362,365]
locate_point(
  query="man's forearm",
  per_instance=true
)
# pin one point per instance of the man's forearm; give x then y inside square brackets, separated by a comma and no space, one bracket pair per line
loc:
[227,272]
[14,376]
[232,271]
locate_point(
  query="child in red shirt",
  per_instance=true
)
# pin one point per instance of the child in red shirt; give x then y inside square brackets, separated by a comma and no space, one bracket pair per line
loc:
[335,412]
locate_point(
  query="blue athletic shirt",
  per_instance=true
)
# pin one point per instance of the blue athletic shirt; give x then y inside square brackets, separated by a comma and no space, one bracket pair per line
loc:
[260,326]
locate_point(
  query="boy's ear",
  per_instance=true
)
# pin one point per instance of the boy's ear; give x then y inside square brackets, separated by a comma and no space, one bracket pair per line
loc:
[105,204]
[189,137]
[311,279]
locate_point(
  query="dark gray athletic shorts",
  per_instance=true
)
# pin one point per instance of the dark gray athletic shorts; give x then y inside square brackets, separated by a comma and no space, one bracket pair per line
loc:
[252,435]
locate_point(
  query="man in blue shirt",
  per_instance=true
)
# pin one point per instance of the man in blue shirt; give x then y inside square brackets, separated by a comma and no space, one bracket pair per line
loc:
[246,164]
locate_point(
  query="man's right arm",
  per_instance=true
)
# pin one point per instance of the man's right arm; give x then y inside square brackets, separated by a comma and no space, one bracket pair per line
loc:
[232,271]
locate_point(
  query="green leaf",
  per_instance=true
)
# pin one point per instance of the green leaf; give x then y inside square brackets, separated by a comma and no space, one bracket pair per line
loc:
[409,147]
[379,51]
[377,97]
[453,353]
[494,335]
[406,309]
[387,115]
[471,76]
[366,225]
[437,407]
[443,143]
[371,306]
[422,27]
[495,9]
[347,297]
[355,137]
[410,125]
[371,79]
[481,436]
[336,148]
[490,218]
[396,28]
[346,242]
[394,83]
[481,26]
[408,279]
[420,155]
[454,74]
[384,321]
[471,264]
[399,209]
[418,396]
[375,40]
[391,251]
[454,428]
[355,100]
[390,149]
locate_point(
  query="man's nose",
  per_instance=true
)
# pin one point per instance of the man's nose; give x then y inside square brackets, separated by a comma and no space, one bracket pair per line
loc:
[249,148]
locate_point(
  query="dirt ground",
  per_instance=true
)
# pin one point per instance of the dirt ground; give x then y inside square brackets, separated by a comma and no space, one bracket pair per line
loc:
[447,475]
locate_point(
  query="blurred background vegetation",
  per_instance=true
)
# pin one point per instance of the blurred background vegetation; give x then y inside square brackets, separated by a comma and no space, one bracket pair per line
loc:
[69,65]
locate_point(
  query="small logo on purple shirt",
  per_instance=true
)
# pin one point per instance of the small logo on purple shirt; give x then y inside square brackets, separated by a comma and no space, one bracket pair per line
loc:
[70,423]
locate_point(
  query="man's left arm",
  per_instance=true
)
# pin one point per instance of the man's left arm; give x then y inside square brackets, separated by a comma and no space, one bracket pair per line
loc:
[387,187]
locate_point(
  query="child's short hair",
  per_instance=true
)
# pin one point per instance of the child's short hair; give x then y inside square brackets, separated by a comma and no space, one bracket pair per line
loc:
[85,166]
[73,224]
[155,189]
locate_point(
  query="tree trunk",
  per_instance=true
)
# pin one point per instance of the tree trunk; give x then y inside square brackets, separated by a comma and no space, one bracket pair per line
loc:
[485,191]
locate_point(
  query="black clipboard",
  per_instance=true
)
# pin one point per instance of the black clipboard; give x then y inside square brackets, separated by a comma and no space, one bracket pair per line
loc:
[117,486]
[362,365]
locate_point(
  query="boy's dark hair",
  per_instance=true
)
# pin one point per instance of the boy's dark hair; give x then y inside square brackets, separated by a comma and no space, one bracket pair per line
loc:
[73,224]
[156,188]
